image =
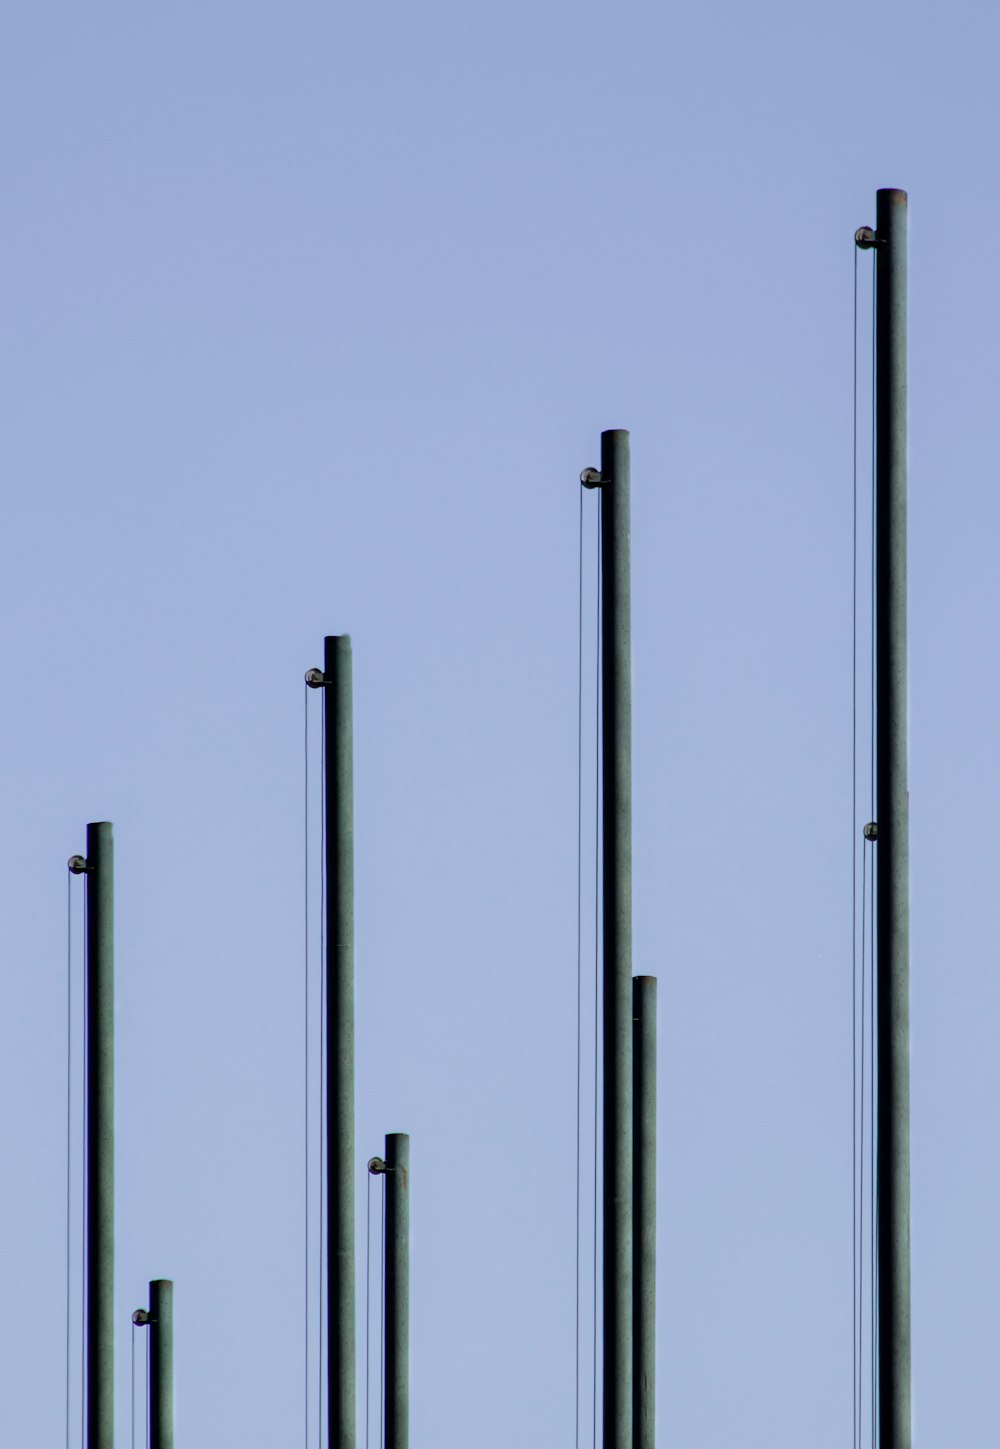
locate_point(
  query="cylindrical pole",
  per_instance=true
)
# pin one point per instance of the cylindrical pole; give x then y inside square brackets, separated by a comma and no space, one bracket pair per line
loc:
[100,1137]
[397,1290]
[616,717]
[161,1364]
[339,1027]
[644,1211]
[892,892]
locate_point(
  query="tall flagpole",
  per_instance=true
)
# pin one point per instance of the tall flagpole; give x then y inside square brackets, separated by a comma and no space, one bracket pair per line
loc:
[892,818]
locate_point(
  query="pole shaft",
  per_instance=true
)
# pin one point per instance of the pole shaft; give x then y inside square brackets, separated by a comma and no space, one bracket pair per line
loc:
[644,1211]
[397,1291]
[100,1137]
[892,850]
[339,1026]
[161,1364]
[616,717]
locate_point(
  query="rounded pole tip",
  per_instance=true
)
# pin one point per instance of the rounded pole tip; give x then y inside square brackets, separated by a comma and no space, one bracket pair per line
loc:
[644,992]
[893,194]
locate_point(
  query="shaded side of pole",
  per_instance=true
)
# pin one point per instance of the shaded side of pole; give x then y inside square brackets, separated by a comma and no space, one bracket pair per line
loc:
[616,718]
[100,1137]
[644,1212]
[397,1291]
[339,1027]
[892,848]
[161,1364]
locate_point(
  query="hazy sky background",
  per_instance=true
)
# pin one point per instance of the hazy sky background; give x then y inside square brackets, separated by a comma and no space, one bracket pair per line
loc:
[312,315]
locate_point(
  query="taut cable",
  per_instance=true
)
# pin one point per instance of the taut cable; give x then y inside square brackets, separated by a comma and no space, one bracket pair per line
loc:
[579,951]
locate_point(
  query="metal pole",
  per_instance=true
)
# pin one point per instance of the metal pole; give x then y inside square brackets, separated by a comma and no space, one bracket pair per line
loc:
[397,1290]
[616,694]
[644,1211]
[100,1137]
[892,850]
[161,1364]
[339,804]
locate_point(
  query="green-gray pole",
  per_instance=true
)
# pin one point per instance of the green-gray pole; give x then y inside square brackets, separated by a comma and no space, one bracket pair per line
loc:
[339,865]
[644,1211]
[616,719]
[892,815]
[397,1290]
[161,1364]
[100,1137]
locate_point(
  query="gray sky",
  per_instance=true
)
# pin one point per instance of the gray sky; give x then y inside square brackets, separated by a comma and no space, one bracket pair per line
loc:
[312,316]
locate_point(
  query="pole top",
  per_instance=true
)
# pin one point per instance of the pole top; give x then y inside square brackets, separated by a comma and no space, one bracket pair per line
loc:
[893,194]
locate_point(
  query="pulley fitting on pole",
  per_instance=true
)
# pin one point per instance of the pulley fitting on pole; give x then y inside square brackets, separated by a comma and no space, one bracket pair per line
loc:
[871,830]
[140,1318]
[316,679]
[377,1165]
[591,478]
[865,238]
[78,865]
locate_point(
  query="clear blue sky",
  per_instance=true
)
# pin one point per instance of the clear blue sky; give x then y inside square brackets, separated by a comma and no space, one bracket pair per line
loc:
[312,316]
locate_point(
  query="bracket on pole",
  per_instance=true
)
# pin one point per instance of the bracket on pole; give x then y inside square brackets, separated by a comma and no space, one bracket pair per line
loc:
[591,478]
[78,865]
[865,238]
[141,1318]
[316,679]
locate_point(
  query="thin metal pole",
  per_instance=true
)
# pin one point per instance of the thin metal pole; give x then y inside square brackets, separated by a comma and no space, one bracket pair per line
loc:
[100,1137]
[339,865]
[397,1290]
[616,696]
[161,1363]
[644,1211]
[892,850]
